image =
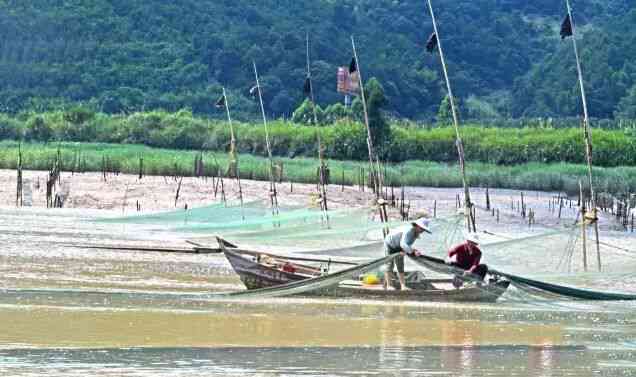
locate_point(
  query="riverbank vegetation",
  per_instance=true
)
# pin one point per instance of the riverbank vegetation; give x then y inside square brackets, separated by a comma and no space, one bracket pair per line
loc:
[126,158]
[343,140]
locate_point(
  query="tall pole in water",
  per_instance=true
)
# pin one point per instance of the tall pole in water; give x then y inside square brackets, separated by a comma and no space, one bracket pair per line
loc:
[272,181]
[233,155]
[470,221]
[587,133]
[375,169]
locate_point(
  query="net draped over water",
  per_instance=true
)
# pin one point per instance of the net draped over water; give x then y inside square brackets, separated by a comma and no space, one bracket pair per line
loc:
[551,257]
[255,225]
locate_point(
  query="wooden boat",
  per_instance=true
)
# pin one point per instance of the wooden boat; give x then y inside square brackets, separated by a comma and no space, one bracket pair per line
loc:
[261,270]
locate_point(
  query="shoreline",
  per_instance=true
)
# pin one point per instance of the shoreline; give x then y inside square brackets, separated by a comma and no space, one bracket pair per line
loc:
[120,194]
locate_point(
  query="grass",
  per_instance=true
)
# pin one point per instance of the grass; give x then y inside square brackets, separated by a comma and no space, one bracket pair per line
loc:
[343,140]
[125,158]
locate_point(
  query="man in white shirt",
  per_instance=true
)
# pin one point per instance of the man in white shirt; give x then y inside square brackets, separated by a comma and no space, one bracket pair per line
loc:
[401,241]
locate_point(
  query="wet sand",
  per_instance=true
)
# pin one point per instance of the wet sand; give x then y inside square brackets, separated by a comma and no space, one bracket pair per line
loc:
[119,195]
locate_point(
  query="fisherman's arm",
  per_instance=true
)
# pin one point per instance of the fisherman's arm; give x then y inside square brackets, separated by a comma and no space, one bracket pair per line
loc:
[476,261]
[406,242]
[452,253]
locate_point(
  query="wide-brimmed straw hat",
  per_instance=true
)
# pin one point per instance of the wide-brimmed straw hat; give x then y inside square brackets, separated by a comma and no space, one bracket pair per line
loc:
[472,237]
[423,223]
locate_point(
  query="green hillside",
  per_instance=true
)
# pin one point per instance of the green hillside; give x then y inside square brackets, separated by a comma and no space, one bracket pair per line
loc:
[118,56]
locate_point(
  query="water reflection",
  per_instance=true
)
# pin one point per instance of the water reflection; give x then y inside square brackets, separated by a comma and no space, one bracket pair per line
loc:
[313,361]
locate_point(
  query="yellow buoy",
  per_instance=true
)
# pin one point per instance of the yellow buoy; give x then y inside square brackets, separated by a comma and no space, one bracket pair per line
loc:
[371,279]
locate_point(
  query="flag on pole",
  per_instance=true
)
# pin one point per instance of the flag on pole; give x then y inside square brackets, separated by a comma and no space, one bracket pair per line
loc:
[307,87]
[431,44]
[220,103]
[566,27]
[353,66]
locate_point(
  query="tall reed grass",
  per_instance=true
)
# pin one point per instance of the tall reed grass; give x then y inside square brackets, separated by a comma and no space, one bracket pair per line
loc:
[343,140]
[157,161]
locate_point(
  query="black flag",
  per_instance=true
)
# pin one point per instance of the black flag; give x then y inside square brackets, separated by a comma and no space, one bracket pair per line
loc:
[353,66]
[220,103]
[566,27]
[431,44]
[307,87]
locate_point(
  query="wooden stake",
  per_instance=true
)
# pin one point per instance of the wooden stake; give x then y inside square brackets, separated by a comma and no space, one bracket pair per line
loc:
[19,199]
[583,229]
[487,199]
[176,197]
[343,179]
[141,167]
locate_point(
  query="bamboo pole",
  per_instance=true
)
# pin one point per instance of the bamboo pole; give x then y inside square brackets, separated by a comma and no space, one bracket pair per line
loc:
[311,86]
[375,169]
[583,230]
[322,189]
[587,135]
[233,154]
[470,221]
[19,200]
[272,181]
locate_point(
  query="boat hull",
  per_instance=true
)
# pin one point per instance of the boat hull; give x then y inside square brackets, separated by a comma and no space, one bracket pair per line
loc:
[256,276]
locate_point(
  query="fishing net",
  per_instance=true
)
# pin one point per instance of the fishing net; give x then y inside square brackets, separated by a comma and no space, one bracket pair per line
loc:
[539,263]
[217,213]
[546,264]
[308,285]
[253,224]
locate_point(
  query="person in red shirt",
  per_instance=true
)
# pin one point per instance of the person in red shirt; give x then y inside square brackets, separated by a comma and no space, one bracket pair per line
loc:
[467,256]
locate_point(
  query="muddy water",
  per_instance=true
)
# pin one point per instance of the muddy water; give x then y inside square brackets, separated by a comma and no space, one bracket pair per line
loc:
[72,311]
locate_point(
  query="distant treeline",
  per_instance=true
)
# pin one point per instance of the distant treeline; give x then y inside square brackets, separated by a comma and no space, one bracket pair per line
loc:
[505,57]
[343,140]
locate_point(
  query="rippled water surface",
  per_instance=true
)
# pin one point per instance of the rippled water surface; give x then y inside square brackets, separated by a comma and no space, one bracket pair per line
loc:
[73,311]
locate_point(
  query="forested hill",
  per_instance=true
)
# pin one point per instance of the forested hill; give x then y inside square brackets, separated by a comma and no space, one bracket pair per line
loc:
[505,56]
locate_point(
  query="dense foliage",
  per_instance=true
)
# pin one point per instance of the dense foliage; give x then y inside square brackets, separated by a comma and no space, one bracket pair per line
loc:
[344,140]
[79,157]
[133,55]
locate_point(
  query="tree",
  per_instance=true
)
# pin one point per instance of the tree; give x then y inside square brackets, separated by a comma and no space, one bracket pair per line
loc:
[304,114]
[336,112]
[445,112]
[380,129]
[626,108]
[38,129]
